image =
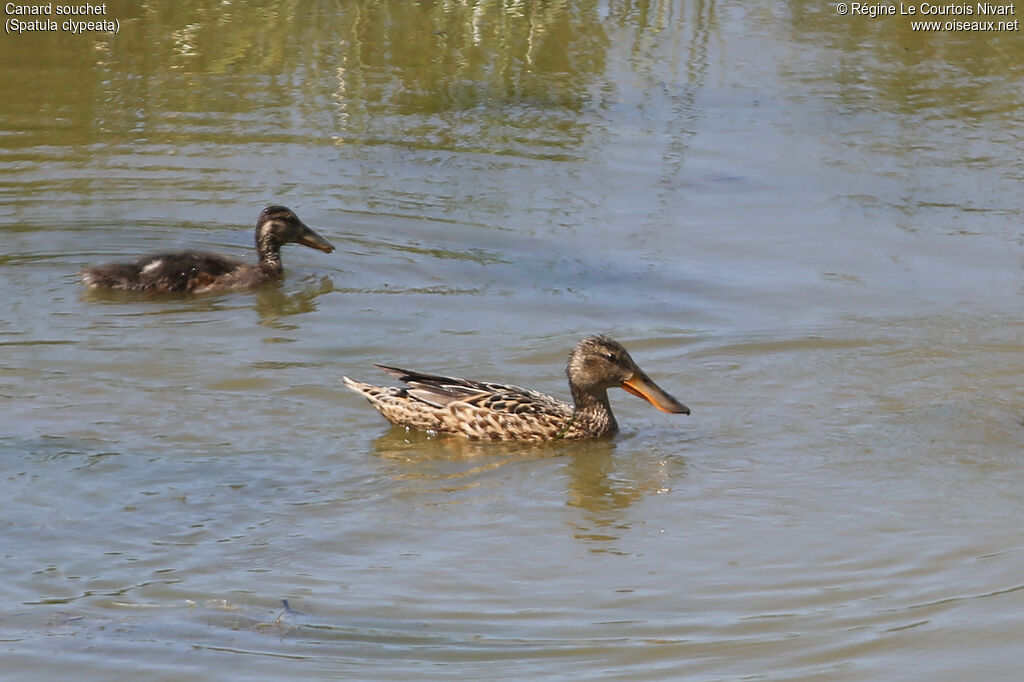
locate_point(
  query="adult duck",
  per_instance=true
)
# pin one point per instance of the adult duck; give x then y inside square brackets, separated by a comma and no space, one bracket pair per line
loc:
[483,410]
[201,272]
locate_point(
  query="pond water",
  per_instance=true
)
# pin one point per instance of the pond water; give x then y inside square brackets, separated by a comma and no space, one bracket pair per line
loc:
[807,227]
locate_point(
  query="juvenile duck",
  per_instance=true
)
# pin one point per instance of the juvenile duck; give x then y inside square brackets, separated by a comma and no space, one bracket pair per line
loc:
[200,272]
[483,410]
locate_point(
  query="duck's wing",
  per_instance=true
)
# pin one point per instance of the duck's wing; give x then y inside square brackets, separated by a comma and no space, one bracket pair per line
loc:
[475,409]
[165,272]
[185,271]
[112,276]
[441,391]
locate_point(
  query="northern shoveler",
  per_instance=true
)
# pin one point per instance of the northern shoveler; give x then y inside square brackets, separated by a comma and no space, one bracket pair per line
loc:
[200,272]
[485,410]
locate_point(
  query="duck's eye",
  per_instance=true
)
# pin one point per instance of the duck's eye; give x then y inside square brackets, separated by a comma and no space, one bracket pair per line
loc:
[610,357]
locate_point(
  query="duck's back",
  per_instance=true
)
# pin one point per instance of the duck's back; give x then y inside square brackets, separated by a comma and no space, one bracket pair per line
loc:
[479,410]
[170,272]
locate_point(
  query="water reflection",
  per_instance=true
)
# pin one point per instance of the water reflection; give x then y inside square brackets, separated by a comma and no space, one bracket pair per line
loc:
[488,77]
[593,485]
[272,300]
[458,56]
[386,61]
[602,479]
[273,303]
[398,443]
[605,484]
[889,64]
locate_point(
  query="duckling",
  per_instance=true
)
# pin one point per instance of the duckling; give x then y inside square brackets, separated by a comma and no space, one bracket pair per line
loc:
[200,272]
[482,410]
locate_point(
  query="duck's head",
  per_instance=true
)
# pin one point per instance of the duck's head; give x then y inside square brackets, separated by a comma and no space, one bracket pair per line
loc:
[278,225]
[598,363]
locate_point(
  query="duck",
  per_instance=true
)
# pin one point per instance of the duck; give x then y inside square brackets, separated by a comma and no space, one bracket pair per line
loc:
[200,272]
[485,410]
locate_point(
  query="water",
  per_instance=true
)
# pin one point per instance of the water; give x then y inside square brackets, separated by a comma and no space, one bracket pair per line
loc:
[806,227]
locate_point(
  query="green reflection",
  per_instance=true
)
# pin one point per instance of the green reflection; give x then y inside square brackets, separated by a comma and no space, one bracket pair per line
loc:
[173,65]
[883,62]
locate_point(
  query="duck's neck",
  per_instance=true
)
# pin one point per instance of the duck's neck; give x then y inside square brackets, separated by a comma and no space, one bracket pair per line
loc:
[270,255]
[592,413]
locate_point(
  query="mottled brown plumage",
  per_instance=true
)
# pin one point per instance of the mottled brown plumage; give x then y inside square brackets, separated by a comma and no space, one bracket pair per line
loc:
[201,272]
[486,410]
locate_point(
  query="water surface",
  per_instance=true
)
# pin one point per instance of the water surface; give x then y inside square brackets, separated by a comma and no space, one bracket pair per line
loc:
[806,227]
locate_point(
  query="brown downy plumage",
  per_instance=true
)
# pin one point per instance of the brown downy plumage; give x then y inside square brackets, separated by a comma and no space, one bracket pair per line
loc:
[200,272]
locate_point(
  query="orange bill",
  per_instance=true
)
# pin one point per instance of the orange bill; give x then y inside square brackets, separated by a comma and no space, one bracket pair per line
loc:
[641,386]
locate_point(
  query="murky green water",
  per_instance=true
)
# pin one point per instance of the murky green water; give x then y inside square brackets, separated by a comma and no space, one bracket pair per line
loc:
[807,227]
